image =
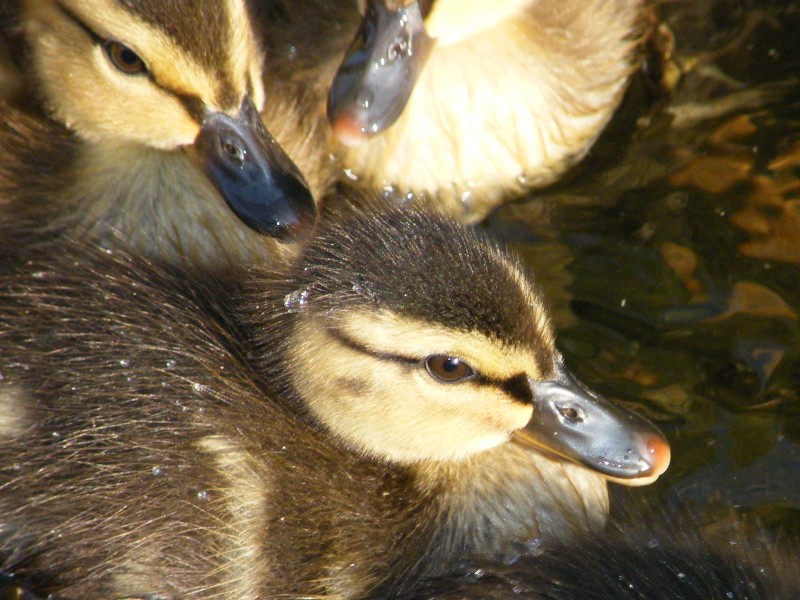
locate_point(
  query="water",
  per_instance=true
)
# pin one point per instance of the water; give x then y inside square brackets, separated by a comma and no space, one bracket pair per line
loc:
[671,259]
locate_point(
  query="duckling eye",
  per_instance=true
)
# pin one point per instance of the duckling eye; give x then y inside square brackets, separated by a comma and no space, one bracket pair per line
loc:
[124,59]
[448,369]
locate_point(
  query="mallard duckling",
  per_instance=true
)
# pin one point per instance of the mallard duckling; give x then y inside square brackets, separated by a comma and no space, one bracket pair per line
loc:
[395,403]
[471,101]
[128,103]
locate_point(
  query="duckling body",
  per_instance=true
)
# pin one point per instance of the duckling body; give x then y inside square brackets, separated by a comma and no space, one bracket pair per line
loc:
[138,123]
[511,95]
[369,424]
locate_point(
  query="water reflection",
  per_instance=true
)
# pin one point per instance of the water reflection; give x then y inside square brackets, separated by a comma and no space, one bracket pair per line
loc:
[672,259]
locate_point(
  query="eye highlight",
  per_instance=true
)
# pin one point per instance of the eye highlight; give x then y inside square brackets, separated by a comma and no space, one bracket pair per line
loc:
[124,59]
[448,369]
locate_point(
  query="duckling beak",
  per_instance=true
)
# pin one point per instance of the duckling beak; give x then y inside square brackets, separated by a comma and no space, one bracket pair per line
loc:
[378,72]
[574,423]
[257,179]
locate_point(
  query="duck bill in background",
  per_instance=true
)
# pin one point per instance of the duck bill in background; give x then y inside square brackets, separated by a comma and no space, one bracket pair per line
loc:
[257,179]
[379,70]
[574,423]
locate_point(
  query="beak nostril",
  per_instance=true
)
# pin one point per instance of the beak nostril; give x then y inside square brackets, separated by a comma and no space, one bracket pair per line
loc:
[570,413]
[233,150]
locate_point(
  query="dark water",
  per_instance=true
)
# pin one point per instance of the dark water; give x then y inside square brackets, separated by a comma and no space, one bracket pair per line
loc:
[671,258]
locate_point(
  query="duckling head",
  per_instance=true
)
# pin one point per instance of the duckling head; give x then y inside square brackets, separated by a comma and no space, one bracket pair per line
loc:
[414,339]
[170,76]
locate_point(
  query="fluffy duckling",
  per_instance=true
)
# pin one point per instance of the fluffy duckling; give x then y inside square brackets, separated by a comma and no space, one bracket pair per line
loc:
[470,101]
[394,404]
[139,118]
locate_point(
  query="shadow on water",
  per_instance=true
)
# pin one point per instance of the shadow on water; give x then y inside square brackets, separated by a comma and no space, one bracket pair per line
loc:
[671,258]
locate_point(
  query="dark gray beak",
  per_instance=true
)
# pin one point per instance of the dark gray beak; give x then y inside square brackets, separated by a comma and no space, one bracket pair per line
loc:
[378,72]
[253,174]
[575,423]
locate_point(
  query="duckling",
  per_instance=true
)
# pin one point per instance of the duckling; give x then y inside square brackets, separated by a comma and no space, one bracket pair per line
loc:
[138,119]
[470,102]
[394,404]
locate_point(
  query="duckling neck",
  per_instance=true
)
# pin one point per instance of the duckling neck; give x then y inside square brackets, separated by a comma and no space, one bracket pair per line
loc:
[155,203]
[160,205]
[502,500]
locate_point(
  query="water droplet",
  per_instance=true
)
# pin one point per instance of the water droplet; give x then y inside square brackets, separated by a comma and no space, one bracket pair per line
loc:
[356,288]
[350,174]
[171,364]
[522,179]
[124,362]
[681,575]
[534,546]
[199,388]
[365,100]
[157,471]
[39,274]
[292,53]
[202,495]
[295,301]
[653,543]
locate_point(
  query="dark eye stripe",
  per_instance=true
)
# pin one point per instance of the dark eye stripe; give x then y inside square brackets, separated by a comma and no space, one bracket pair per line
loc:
[349,342]
[77,20]
[193,104]
[516,386]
